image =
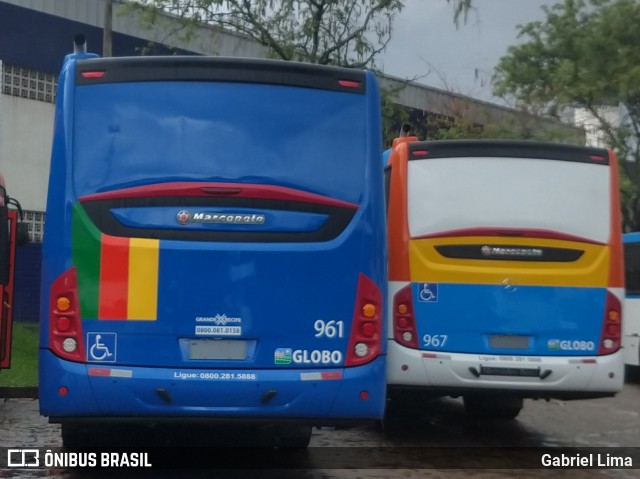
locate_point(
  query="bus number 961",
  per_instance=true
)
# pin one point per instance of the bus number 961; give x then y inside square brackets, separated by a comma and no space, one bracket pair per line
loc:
[329,329]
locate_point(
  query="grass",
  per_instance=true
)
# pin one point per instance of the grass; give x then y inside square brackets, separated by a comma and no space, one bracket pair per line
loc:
[24,357]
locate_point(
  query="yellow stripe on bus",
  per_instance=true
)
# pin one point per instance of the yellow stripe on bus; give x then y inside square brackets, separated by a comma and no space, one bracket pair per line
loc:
[143,279]
[429,266]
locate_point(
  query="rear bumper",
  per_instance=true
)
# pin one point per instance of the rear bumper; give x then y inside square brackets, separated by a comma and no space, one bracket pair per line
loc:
[455,374]
[320,396]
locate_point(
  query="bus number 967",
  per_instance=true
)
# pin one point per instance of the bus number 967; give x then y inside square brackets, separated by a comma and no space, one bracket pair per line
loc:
[434,340]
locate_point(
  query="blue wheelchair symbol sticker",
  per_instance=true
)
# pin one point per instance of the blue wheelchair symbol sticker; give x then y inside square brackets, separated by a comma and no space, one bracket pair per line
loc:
[427,292]
[101,347]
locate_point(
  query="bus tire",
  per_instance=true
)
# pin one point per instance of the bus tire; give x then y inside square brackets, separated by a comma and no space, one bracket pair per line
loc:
[296,437]
[492,406]
[74,435]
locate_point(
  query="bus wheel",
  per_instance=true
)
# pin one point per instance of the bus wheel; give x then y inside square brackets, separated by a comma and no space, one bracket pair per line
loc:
[492,406]
[297,437]
[74,435]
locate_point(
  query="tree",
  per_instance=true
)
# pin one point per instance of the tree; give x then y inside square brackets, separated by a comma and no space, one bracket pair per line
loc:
[337,32]
[585,55]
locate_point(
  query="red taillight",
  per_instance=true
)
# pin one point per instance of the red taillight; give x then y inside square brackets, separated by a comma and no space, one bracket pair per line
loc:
[404,323]
[612,327]
[366,331]
[65,327]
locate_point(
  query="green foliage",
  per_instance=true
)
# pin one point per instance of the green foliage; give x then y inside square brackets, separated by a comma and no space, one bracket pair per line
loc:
[521,126]
[24,357]
[328,32]
[585,55]
[336,32]
[394,115]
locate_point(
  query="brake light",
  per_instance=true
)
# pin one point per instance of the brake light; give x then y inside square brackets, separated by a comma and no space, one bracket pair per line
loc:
[65,326]
[612,326]
[349,83]
[404,323]
[93,74]
[366,330]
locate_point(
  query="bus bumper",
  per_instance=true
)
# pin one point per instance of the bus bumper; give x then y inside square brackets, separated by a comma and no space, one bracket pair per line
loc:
[455,373]
[69,389]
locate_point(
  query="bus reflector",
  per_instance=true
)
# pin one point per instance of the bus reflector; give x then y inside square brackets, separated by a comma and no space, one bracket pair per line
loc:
[404,323]
[65,327]
[366,332]
[63,391]
[611,329]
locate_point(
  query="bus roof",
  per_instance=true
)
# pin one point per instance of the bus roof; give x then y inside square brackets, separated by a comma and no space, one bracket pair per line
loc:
[196,68]
[507,148]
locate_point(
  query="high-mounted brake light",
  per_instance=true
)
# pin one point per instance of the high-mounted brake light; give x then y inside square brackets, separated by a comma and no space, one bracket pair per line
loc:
[366,330]
[404,323]
[65,326]
[597,158]
[612,327]
[349,83]
[94,74]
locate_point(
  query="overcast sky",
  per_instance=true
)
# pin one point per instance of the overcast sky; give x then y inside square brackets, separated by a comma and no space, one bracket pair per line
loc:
[427,45]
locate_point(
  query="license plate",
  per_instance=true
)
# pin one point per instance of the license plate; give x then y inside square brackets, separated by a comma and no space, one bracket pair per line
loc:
[498,341]
[217,349]
[521,372]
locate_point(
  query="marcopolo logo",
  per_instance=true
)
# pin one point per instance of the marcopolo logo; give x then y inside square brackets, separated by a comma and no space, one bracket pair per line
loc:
[510,251]
[185,217]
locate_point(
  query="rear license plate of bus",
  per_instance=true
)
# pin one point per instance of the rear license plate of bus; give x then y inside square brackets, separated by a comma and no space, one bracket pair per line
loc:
[217,349]
[499,341]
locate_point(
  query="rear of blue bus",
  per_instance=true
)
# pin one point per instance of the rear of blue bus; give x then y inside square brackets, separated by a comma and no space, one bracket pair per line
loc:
[213,245]
[513,282]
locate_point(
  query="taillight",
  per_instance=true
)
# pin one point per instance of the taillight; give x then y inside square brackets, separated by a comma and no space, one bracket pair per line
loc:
[404,322]
[65,326]
[612,326]
[366,330]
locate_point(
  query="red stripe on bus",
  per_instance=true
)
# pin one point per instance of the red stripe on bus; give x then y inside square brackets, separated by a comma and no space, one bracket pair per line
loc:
[237,190]
[114,278]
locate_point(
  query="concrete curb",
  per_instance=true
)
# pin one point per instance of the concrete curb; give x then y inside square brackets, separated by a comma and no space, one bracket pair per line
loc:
[19,392]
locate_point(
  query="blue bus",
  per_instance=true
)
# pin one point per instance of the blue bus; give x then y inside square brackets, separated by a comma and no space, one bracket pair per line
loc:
[631,325]
[214,247]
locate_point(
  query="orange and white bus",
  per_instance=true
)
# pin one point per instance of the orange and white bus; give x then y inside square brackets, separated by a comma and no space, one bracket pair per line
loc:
[505,272]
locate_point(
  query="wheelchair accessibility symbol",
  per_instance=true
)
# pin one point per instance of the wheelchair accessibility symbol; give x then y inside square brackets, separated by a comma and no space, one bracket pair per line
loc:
[427,292]
[101,347]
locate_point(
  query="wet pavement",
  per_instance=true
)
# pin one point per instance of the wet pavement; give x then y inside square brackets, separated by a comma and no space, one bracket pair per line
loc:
[423,438]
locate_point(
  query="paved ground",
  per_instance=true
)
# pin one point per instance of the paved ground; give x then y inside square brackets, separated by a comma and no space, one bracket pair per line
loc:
[423,439]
